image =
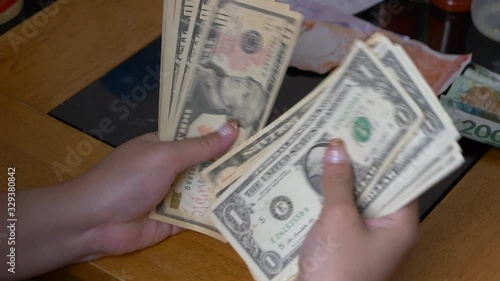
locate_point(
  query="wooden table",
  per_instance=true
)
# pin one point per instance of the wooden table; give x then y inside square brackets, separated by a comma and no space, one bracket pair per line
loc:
[81,42]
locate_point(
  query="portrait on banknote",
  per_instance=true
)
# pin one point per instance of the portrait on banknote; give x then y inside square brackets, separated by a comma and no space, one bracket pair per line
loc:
[216,93]
[313,166]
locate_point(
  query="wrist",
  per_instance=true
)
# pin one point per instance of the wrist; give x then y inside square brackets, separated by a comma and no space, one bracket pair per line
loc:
[69,215]
[51,230]
[83,223]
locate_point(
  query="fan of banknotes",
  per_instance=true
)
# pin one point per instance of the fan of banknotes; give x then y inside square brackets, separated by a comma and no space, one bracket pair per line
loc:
[399,138]
[221,59]
[265,193]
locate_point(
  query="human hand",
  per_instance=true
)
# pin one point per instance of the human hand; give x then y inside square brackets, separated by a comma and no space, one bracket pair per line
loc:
[342,245]
[132,180]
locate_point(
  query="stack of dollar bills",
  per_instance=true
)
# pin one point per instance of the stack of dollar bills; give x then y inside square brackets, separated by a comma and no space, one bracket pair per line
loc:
[221,59]
[473,102]
[399,138]
[226,59]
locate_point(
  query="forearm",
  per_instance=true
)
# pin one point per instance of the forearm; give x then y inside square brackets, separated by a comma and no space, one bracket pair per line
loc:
[53,229]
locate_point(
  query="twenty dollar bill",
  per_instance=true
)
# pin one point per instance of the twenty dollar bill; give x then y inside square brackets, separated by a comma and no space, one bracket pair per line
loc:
[266,214]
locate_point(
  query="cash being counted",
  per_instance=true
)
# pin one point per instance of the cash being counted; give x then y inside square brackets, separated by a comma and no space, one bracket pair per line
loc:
[429,147]
[393,128]
[228,63]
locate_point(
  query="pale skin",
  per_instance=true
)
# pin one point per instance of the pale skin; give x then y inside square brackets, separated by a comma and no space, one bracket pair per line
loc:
[90,217]
[342,245]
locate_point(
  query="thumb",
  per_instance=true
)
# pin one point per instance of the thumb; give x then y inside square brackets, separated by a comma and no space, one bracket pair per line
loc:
[190,152]
[337,177]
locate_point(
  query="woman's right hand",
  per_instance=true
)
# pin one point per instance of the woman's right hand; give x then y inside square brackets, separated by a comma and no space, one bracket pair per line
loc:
[342,245]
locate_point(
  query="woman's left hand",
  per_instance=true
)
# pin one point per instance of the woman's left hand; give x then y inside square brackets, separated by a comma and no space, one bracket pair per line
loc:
[135,178]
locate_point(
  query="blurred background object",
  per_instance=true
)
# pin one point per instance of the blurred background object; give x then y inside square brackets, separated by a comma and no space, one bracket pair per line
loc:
[486,17]
[448,31]
[485,50]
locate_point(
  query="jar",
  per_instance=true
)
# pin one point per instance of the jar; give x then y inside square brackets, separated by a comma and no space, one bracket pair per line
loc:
[446,31]
[9,9]
[486,17]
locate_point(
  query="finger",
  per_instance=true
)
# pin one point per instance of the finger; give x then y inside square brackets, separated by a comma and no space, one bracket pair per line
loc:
[337,176]
[407,215]
[399,227]
[189,152]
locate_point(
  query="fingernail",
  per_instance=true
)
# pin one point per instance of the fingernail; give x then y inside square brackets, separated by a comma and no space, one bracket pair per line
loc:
[336,153]
[228,129]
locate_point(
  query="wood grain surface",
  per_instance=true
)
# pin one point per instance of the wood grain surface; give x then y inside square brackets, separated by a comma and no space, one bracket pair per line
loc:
[459,238]
[35,143]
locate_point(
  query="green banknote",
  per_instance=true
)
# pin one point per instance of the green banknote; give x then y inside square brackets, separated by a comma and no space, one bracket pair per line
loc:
[476,94]
[473,122]
[481,74]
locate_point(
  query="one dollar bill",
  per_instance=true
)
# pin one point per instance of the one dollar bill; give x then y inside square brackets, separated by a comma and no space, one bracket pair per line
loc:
[426,147]
[266,214]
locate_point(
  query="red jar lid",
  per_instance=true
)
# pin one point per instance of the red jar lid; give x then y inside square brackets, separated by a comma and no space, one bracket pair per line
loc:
[5,4]
[453,5]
